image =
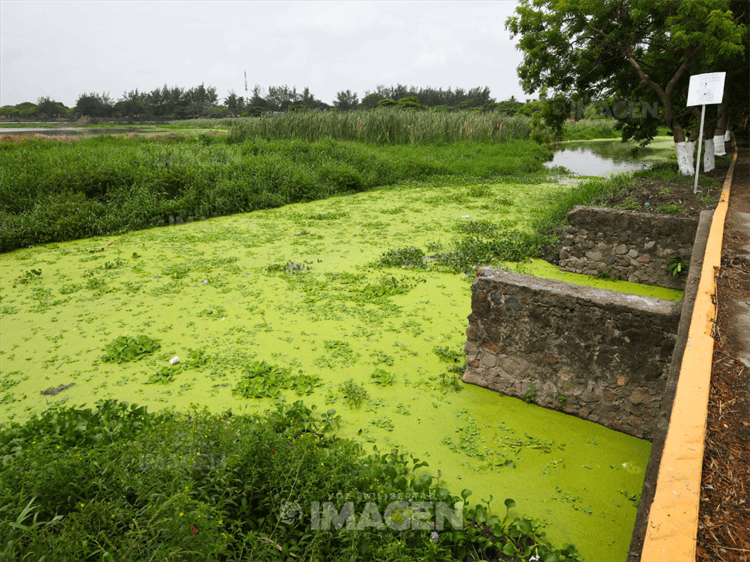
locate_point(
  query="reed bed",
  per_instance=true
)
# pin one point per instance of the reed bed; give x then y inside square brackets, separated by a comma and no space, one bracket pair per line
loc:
[384,126]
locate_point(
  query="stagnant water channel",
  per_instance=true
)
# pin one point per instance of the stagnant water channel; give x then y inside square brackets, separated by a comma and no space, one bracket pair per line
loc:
[602,158]
[223,290]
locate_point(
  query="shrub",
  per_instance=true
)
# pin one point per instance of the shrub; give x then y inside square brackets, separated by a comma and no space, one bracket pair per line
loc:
[119,483]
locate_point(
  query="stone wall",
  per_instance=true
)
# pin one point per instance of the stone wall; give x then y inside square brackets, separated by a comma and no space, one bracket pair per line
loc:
[597,354]
[635,246]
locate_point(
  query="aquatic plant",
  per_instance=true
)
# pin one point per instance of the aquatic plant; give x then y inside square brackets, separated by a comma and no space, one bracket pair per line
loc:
[409,257]
[354,394]
[127,348]
[262,380]
[382,377]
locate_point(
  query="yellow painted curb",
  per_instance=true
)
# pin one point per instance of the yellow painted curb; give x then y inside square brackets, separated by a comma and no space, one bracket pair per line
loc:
[672,529]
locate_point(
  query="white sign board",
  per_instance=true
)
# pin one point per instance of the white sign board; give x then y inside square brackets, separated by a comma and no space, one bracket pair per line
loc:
[706,89]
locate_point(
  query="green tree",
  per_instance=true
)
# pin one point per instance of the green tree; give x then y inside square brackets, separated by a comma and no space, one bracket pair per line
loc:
[46,108]
[132,105]
[387,102]
[642,50]
[370,101]
[9,111]
[410,102]
[510,106]
[308,100]
[279,98]
[95,105]
[346,100]
[201,99]
[234,104]
[26,110]
[258,100]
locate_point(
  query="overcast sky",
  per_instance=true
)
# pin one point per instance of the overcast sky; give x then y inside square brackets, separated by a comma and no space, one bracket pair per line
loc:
[63,49]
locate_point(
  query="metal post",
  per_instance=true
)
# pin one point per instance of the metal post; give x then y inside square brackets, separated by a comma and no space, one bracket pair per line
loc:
[700,141]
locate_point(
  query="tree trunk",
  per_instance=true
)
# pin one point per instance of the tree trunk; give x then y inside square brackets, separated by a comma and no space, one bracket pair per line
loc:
[685,156]
[684,150]
[709,163]
[719,148]
[709,130]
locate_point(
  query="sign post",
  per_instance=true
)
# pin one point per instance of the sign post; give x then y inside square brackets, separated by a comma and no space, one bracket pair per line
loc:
[704,89]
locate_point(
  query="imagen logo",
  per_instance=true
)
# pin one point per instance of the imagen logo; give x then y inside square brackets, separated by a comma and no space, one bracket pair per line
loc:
[290,513]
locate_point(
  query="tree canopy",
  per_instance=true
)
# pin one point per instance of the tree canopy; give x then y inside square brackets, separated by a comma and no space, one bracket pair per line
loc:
[203,101]
[643,51]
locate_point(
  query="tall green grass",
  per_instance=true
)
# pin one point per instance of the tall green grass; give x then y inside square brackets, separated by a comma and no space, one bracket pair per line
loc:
[588,129]
[57,190]
[481,243]
[215,123]
[587,193]
[384,126]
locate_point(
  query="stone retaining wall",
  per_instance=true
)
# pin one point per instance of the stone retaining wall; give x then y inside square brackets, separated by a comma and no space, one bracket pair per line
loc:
[636,247]
[600,355]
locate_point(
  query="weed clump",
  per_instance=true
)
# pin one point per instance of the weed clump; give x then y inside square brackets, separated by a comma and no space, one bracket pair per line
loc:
[126,348]
[409,257]
[262,380]
[354,394]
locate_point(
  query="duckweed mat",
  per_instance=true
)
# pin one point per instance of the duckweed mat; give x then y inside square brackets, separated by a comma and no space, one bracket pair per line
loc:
[240,311]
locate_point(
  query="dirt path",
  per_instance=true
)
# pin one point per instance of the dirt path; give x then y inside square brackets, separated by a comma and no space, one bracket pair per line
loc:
[724,520]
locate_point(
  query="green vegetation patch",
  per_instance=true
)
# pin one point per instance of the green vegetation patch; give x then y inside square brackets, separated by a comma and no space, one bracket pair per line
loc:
[54,191]
[262,380]
[235,487]
[126,348]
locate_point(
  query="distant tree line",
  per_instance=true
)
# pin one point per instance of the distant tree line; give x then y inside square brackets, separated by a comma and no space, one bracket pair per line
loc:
[203,102]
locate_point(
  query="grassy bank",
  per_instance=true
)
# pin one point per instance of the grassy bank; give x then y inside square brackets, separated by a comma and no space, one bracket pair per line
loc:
[118,483]
[57,190]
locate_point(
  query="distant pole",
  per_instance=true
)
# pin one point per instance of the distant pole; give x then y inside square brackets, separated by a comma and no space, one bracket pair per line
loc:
[700,141]
[247,99]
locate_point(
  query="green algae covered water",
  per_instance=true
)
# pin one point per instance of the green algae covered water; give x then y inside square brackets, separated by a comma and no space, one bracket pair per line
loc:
[293,287]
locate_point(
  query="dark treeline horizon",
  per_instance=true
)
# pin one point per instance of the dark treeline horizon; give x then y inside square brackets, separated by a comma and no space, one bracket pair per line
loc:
[203,101]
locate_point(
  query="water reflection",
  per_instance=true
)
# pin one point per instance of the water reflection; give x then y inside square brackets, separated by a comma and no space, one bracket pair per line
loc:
[600,159]
[74,131]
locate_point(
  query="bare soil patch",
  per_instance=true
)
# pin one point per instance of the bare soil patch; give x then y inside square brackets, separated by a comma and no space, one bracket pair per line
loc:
[675,197]
[724,519]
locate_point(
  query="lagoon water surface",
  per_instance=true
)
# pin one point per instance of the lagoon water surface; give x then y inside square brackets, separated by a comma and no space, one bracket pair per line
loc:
[293,287]
[606,157]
